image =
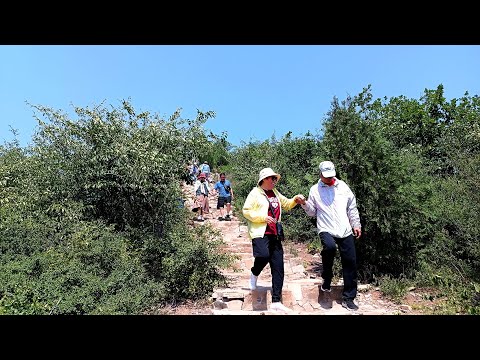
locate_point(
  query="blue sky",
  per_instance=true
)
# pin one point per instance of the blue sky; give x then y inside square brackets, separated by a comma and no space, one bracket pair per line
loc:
[255,90]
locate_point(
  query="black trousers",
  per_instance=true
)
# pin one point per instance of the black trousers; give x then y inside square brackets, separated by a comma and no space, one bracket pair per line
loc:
[346,246]
[269,250]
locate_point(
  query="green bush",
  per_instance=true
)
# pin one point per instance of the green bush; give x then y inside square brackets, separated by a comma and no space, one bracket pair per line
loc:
[394,289]
[90,222]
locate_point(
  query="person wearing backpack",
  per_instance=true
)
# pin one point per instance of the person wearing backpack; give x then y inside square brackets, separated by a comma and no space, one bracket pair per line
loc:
[205,168]
[194,172]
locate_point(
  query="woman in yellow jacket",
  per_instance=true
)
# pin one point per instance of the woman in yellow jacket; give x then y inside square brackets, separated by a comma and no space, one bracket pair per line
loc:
[263,209]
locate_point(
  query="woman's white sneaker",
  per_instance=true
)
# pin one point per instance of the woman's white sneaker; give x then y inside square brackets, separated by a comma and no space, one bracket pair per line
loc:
[253,282]
[278,306]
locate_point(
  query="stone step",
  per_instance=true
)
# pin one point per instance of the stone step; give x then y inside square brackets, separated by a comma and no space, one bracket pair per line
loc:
[302,295]
[305,300]
[294,293]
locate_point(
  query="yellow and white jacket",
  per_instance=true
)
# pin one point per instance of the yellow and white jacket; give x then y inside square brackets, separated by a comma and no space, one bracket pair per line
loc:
[255,210]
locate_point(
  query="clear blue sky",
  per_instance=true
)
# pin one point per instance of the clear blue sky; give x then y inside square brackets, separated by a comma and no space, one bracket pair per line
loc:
[255,90]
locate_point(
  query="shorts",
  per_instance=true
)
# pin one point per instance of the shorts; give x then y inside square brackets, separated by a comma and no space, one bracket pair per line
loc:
[223,200]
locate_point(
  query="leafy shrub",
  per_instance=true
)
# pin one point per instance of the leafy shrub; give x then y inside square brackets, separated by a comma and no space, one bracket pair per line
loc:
[394,288]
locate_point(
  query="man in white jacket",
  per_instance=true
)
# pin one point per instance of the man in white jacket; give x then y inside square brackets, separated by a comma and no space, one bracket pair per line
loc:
[338,221]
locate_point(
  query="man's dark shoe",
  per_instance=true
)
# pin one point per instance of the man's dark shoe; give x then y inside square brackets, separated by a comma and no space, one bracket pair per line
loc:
[227,218]
[326,289]
[349,305]
[220,218]
[326,286]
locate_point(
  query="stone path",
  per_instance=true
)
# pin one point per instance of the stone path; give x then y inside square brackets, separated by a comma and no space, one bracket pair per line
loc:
[301,290]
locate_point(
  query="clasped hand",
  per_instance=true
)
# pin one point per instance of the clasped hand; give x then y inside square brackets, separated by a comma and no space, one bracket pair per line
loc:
[300,199]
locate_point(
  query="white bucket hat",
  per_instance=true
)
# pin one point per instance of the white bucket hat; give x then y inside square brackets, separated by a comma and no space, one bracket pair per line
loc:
[264,173]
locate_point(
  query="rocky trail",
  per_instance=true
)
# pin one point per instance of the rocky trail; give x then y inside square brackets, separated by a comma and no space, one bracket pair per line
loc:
[301,290]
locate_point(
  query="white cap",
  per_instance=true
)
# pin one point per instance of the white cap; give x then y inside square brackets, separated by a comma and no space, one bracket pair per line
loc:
[327,169]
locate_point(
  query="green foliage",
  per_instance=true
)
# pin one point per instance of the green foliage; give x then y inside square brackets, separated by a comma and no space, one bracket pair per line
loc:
[392,188]
[89,215]
[123,167]
[215,150]
[314,245]
[446,135]
[460,295]
[394,288]
[89,272]
[192,271]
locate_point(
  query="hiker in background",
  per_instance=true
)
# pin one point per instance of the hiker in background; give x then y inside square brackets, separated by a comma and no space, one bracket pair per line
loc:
[263,209]
[205,168]
[188,176]
[194,172]
[335,206]
[201,189]
[225,196]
